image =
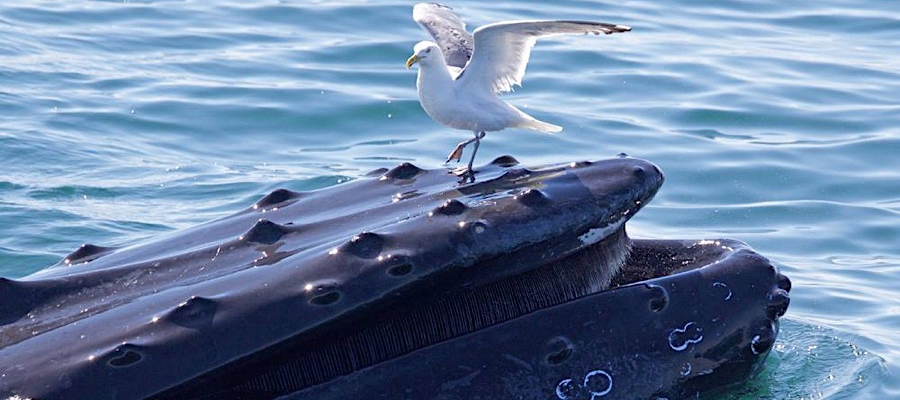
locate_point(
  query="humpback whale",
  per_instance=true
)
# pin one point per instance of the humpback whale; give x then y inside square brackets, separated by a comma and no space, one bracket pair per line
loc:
[405,284]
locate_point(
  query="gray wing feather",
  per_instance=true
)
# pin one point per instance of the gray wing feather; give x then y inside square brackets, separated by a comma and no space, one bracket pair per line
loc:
[502,50]
[448,30]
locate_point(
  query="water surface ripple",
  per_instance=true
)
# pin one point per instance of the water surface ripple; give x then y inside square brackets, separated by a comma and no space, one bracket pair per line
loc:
[776,123]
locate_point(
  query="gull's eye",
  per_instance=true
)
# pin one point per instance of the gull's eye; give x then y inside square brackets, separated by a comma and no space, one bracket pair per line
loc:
[428,50]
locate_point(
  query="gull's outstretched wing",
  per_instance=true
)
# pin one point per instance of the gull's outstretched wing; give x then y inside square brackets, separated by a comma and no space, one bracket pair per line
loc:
[448,30]
[502,49]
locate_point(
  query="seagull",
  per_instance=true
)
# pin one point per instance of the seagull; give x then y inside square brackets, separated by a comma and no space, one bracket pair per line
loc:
[461,74]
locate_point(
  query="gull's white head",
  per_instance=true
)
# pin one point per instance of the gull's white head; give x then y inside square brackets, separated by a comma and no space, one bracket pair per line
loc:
[425,53]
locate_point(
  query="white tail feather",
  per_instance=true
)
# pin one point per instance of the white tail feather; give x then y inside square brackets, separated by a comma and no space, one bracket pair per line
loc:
[534,124]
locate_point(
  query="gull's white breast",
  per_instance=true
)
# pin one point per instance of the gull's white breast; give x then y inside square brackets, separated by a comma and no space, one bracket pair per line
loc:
[475,111]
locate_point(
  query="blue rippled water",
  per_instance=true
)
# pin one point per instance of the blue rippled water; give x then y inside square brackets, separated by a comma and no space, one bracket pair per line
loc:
[777,123]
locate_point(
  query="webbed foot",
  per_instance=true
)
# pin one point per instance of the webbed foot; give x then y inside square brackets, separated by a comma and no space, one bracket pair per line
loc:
[456,154]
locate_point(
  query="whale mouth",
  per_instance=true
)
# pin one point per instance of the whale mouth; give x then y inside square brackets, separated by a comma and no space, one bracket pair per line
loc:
[424,320]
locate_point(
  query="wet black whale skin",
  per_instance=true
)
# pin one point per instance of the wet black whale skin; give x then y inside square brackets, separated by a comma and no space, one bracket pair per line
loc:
[146,320]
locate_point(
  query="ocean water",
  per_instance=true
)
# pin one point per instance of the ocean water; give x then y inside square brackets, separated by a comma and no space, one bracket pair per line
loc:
[776,123]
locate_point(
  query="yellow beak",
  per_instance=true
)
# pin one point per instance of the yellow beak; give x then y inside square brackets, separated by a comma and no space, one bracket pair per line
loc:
[411,60]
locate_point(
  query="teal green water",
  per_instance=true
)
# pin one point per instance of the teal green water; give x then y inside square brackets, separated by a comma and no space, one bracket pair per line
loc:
[777,123]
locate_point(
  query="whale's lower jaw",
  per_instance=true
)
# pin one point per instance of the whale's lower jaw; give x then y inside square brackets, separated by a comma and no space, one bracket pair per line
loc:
[683,318]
